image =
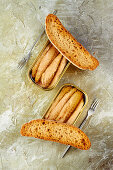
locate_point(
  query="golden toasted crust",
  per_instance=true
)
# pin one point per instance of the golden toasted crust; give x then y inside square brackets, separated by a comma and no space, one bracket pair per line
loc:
[57,132]
[68,45]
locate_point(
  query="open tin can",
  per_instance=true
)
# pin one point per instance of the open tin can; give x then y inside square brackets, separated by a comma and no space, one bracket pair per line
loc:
[30,69]
[80,117]
[77,51]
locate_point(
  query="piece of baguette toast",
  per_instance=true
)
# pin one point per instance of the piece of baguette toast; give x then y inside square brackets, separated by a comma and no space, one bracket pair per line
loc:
[67,45]
[57,132]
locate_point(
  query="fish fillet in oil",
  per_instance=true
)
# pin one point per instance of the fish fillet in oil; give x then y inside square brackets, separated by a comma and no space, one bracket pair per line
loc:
[58,98]
[55,112]
[35,68]
[59,71]
[48,75]
[75,113]
[45,62]
[69,107]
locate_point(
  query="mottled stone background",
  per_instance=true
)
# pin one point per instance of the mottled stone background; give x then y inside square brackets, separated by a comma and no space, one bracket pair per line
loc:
[21,21]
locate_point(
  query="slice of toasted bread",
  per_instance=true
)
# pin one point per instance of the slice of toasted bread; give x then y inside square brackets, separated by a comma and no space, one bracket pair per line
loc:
[57,132]
[67,45]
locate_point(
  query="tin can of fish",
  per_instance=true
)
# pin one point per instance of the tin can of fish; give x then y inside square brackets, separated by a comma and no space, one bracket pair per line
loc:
[31,79]
[80,115]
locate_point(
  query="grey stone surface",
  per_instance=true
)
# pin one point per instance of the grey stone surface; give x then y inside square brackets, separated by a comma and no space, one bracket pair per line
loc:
[21,21]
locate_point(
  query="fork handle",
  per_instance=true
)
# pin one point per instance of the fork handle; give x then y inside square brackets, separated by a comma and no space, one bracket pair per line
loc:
[43,31]
[84,122]
[68,147]
[37,39]
[66,150]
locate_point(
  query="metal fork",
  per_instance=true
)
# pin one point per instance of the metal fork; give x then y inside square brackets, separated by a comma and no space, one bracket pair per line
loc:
[27,57]
[89,113]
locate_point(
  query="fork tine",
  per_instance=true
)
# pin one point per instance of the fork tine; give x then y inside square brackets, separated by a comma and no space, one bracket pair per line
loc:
[55,12]
[18,65]
[94,103]
[21,64]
